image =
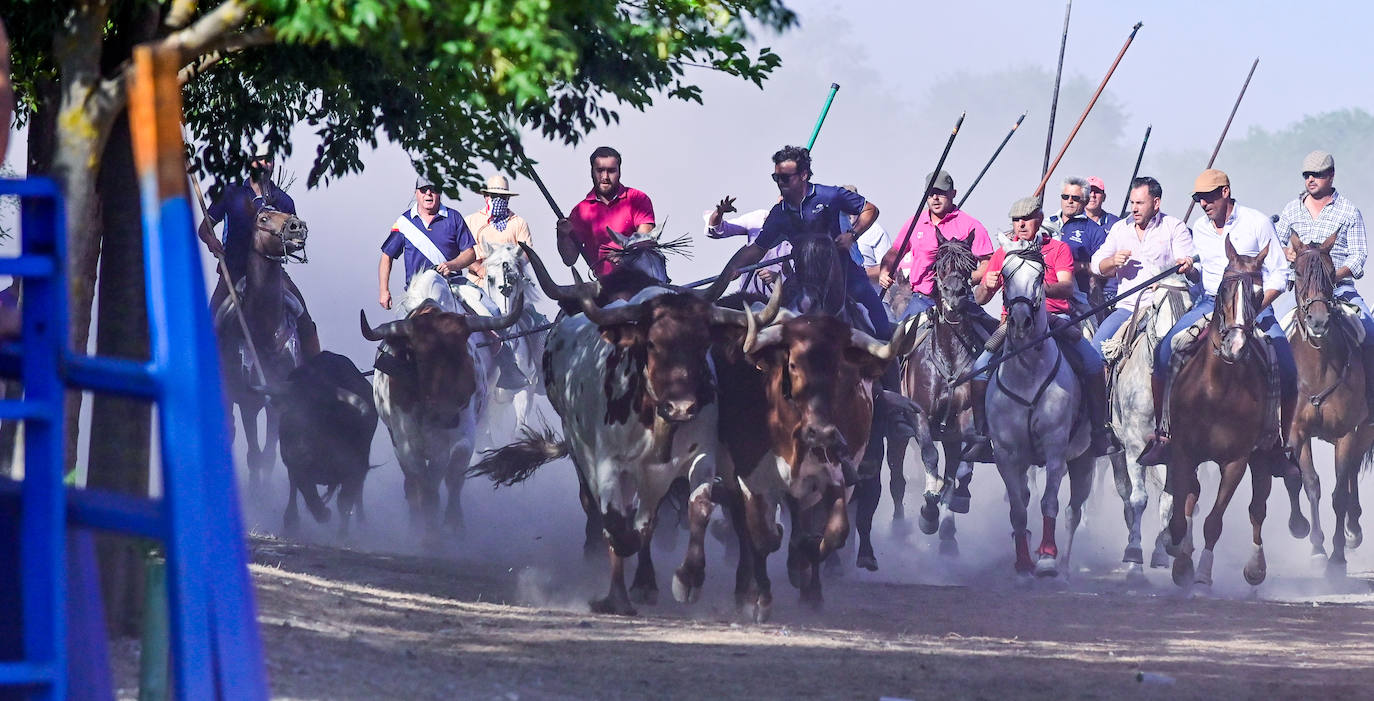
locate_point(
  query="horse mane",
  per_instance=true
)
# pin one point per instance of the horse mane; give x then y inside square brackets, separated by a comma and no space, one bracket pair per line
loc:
[954,256]
[1034,254]
[1316,269]
[814,259]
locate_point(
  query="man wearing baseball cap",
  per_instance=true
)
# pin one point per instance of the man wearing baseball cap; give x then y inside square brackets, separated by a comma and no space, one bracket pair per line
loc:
[494,224]
[1250,233]
[1317,214]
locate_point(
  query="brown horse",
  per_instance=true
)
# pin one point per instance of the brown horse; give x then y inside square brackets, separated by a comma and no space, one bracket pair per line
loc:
[271,312]
[1218,404]
[1331,375]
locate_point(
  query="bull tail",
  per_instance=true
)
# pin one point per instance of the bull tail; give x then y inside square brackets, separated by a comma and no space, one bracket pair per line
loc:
[329,493]
[517,462]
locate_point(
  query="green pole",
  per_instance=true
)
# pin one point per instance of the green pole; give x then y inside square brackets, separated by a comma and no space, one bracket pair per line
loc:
[834,88]
[152,661]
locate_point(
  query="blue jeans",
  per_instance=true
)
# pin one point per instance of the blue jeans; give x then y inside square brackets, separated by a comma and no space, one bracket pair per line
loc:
[859,289]
[920,302]
[1346,293]
[1089,357]
[1266,322]
[1109,326]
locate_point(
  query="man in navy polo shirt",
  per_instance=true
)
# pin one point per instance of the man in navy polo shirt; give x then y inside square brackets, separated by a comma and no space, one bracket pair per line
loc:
[808,210]
[431,235]
[238,206]
[1083,235]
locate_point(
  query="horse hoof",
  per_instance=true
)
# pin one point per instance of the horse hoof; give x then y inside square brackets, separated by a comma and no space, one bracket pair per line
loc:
[685,593]
[867,562]
[928,526]
[959,503]
[1353,537]
[1183,570]
[1200,590]
[644,595]
[762,612]
[1134,555]
[1298,526]
[1255,570]
[834,567]
[949,548]
[1135,574]
[1047,566]
[614,608]
[1335,569]
[1159,559]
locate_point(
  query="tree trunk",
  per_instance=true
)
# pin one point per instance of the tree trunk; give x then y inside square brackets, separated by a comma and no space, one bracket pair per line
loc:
[120,427]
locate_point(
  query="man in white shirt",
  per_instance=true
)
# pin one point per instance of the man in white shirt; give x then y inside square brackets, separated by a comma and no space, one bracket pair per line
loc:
[1249,232]
[747,225]
[871,246]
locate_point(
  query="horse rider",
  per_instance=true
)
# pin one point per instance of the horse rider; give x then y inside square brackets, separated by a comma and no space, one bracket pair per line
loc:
[1086,360]
[870,248]
[748,225]
[610,204]
[238,206]
[431,235]
[953,222]
[1314,216]
[1249,232]
[1083,234]
[810,209]
[494,224]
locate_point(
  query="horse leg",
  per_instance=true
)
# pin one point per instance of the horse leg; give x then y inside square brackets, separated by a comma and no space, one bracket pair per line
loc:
[1311,485]
[1261,481]
[1231,474]
[269,442]
[1018,496]
[936,484]
[691,575]
[248,416]
[959,502]
[1347,462]
[1047,555]
[1081,476]
[896,483]
[291,520]
[1354,535]
[1182,481]
[1160,557]
[1298,525]
[866,495]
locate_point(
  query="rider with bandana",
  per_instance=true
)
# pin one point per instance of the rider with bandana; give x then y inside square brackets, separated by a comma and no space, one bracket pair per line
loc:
[238,206]
[494,224]
[1026,218]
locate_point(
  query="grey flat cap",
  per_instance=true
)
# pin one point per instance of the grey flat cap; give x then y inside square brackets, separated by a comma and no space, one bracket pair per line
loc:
[940,181]
[1318,161]
[1024,207]
[422,182]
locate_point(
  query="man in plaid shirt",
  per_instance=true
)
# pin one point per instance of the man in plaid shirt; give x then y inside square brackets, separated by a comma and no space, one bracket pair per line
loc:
[1317,214]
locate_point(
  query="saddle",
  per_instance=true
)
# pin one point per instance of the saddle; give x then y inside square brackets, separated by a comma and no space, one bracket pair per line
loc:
[284,340]
[1187,342]
[1349,319]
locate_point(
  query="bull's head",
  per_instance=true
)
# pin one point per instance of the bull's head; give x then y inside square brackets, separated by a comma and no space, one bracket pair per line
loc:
[436,344]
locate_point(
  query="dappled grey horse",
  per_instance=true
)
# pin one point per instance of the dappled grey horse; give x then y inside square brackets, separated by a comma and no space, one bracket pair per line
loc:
[1037,404]
[1131,402]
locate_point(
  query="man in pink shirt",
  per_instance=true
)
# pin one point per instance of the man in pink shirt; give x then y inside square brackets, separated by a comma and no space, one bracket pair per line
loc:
[954,223]
[610,204]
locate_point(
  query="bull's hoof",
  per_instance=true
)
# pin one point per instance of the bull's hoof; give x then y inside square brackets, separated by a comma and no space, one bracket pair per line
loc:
[1354,535]
[949,547]
[1047,566]
[1255,570]
[1183,570]
[644,594]
[1335,568]
[291,522]
[1134,555]
[614,607]
[683,592]
[1298,526]
[868,562]
[812,599]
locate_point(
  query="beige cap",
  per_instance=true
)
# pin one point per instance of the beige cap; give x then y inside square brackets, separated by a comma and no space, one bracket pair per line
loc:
[941,180]
[498,185]
[1024,207]
[1210,180]
[1318,161]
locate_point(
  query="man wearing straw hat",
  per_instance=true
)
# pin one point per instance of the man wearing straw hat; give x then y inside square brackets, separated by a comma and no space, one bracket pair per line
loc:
[494,224]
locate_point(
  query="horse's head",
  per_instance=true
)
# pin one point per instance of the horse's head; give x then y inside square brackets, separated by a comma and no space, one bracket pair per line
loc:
[1315,286]
[817,285]
[279,236]
[1238,302]
[642,252]
[1023,275]
[954,266]
[506,273]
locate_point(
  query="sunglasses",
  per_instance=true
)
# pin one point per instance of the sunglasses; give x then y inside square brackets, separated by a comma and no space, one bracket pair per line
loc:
[1201,197]
[427,189]
[1075,198]
[781,178]
[1314,174]
[1025,218]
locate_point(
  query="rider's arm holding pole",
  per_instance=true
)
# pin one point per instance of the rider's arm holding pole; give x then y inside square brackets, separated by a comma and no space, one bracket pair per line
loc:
[460,261]
[568,248]
[207,230]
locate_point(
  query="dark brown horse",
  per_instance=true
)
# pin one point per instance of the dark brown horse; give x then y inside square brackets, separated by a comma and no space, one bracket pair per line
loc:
[1218,408]
[271,312]
[928,374]
[1331,379]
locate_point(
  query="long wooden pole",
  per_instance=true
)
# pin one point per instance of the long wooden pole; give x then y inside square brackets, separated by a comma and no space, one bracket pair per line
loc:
[1126,203]
[1220,139]
[925,195]
[995,154]
[1040,189]
[1058,74]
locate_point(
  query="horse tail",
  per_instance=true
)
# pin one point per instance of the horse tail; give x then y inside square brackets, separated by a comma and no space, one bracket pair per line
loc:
[518,461]
[1367,461]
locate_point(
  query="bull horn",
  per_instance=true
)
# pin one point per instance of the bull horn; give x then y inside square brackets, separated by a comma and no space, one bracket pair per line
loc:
[722,315]
[878,349]
[492,323]
[385,331]
[610,316]
[555,291]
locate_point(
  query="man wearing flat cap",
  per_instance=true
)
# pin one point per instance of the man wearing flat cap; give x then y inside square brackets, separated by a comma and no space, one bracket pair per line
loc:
[494,224]
[1026,219]
[1317,214]
[1250,233]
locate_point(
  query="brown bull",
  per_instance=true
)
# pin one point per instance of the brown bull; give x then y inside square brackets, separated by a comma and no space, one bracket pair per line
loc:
[795,412]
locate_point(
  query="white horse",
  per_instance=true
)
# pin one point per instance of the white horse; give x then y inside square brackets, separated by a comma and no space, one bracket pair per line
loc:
[1035,400]
[506,274]
[1132,406]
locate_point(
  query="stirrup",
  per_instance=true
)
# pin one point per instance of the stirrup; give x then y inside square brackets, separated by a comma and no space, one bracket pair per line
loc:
[977,448]
[1104,442]
[1156,451]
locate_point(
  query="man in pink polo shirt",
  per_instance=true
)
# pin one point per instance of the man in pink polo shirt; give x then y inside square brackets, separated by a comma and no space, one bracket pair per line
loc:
[954,223]
[610,204]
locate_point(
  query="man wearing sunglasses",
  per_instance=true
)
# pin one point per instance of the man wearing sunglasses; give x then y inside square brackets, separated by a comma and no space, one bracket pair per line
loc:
[1082,234]
[238,206]
[1314,216]
[1249,232]
[808,209]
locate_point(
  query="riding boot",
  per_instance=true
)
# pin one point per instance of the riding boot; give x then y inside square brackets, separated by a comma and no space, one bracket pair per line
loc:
[1104,442]
[977,445]
[309,336]
[1157,447]
[508,372]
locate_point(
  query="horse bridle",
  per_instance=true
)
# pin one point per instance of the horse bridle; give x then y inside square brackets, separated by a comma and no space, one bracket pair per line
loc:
[280,234]
[1033,303]
[1306,303]
[1238,278]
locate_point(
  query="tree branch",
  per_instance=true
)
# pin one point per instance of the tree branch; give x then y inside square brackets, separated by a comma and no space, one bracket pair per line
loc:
[217,50]
[180,13]
[198,38]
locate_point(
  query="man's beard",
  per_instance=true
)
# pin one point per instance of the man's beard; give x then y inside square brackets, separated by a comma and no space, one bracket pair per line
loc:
[260,175]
